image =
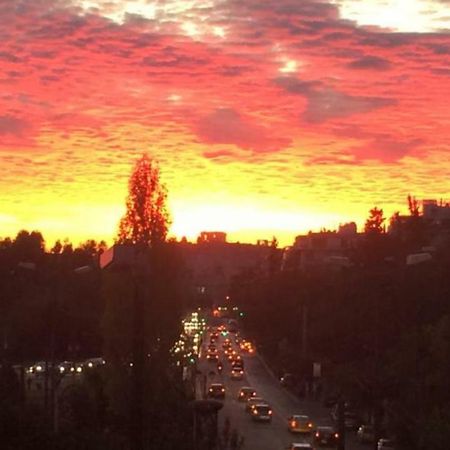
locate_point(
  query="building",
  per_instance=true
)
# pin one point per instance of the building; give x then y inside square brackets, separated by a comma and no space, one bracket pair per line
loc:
[323,248]
[212,263]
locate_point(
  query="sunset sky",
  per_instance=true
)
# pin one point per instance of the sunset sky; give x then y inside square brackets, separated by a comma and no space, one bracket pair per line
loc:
[267,117]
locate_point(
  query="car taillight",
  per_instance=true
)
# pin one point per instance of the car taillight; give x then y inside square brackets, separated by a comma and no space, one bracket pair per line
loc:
[293,423]
[270,412]
[223,390]
[336,435]
[317,434]
[255,411]
[309,425]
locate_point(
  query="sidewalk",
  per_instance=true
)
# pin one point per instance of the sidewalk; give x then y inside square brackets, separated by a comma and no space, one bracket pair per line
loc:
[308,402]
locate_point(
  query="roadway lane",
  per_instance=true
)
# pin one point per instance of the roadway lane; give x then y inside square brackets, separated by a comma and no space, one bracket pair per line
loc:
[265,436]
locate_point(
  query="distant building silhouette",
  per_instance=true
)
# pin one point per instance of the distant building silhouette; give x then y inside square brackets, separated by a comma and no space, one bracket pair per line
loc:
[436,213]
[212,237]
[212,262]
[323,248]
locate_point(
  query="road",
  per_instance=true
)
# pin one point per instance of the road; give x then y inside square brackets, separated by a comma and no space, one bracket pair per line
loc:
[265,436]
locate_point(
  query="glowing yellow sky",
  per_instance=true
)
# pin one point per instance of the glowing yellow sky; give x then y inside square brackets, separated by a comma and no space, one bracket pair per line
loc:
[267,119]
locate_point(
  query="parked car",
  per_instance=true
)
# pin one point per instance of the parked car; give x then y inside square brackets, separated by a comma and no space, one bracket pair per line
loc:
[287,380]
[330,400]
[365,434]
[94,362]
[37,368]
[351,420]
[386,444]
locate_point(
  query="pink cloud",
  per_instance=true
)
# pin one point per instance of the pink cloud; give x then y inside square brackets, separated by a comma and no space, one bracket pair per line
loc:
[226,126]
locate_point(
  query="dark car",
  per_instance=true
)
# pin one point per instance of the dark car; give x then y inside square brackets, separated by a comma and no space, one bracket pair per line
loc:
[326,436]
[216,390]
[245,393]
[330,400]
[261,412]
[287,380]
[365,434]
[386,444]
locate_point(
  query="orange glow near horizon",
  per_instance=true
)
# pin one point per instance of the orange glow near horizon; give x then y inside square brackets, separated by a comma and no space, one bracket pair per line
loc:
[271,126]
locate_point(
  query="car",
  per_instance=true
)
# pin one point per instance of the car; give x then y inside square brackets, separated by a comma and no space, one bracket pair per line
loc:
[212,357]
[94,362]
[237,364]
[287,380]
[262,412]
[216,390]
[299,423]
[245,393]
[253,401]
[66,367]
[330,400]
[247,347]
[300,446]
[236,373]
[212,348]
[325,436]
[351,421]
[365,434]
[37,368]
[385,444]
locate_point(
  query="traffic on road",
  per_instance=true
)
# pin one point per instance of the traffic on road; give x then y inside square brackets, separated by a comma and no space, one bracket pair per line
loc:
[257,409]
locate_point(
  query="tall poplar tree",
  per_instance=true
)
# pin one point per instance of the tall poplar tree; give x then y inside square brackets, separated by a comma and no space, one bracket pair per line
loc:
[146,219]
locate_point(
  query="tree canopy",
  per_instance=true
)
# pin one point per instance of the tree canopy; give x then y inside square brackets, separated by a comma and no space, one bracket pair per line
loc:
[374,224]
[146,220]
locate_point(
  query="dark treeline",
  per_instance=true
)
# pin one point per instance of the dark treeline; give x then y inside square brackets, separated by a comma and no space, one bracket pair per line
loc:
[58,305]
[380,329]
[35,284]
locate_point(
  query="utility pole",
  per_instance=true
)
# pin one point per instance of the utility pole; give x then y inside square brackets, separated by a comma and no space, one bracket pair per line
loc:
[304,329]
[137,370]
[341,423]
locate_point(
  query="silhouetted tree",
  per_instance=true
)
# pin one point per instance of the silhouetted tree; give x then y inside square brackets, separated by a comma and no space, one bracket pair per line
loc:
[413,206]
[57,247]
[374,224]
[146,219]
